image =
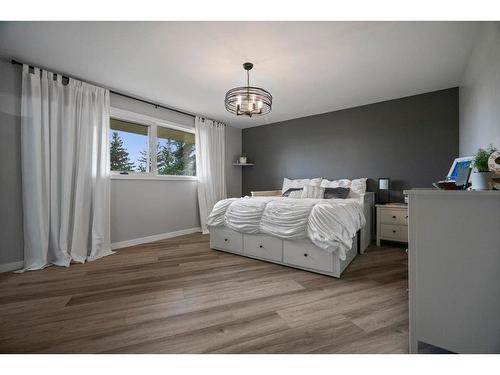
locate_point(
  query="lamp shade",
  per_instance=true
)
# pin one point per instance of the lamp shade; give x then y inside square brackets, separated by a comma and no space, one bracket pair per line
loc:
[248,100]
[384,190]
[383,184]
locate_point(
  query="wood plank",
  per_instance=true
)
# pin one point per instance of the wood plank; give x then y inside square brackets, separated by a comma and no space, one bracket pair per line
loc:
[179,296]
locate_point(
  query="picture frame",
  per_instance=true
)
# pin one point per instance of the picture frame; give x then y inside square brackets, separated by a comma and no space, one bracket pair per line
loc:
[457,165]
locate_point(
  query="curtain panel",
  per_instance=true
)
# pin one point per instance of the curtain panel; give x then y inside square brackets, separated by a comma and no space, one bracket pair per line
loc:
[210,172]
[65,170]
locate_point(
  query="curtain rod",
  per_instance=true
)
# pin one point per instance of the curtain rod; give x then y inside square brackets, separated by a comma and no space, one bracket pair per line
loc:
[156,105]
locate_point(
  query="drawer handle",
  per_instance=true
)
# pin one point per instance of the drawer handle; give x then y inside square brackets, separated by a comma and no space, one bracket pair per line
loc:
[305,254]
[393,231]
[260,246]
[393,216]
[225,239]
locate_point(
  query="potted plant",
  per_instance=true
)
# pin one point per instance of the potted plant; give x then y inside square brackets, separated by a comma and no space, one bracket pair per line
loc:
[243,159]
[481,175]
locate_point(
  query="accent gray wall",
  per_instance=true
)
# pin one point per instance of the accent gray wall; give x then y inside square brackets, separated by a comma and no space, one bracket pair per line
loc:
[412,140]
[480,93]
[11,207]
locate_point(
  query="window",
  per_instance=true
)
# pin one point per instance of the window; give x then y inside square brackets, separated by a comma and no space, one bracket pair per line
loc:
[133,139]
[128,146]
[176,152]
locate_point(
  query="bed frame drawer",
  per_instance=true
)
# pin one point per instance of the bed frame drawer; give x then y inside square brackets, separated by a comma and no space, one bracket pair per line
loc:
[303,253]
[227,239]
[265,247]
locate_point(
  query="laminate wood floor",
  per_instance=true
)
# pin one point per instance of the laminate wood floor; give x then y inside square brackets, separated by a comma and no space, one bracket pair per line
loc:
[179,296]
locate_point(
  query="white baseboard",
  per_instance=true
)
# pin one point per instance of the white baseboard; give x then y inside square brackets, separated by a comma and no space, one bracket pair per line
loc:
[7,267]
[156,237]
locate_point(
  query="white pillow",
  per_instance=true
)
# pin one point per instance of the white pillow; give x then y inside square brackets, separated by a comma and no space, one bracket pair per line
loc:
[298,183]
[295,194]
[345,183]
[357,186]
[313,189]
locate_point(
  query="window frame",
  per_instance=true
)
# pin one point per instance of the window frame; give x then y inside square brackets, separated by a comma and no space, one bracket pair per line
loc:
[152,123]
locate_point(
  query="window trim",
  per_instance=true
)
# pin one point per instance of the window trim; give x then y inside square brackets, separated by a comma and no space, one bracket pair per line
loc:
[152,123]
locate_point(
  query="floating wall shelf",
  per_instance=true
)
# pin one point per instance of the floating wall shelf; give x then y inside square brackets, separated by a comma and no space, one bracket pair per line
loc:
[243,165]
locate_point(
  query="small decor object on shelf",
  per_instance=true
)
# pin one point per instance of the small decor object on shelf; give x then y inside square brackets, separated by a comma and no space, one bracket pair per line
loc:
[481,176]
[242,161]
[494,167]
[248,100]
[384,190]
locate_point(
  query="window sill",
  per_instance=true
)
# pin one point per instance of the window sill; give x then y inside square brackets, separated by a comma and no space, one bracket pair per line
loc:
[152,177]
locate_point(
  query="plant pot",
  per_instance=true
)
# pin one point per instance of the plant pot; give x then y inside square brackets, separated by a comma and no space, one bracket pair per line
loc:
[243,159]
[481,180]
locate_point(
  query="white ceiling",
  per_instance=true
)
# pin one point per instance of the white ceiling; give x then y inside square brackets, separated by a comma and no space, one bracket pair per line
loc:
[309,67]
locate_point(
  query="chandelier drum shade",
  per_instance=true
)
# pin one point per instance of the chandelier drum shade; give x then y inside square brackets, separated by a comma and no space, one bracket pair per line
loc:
[248,100]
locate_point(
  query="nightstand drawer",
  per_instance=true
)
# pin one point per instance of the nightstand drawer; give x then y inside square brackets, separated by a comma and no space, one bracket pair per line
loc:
[394,217]
[395,232]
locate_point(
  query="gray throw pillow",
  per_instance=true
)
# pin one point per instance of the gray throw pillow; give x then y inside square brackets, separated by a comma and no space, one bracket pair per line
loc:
[336,192]
[291,190]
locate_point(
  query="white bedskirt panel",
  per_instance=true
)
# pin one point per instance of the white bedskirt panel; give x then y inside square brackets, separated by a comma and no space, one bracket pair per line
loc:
[300,253]
[367,230]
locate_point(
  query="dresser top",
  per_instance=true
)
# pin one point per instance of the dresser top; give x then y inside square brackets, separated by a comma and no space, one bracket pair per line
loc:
[434,191]
[391,206]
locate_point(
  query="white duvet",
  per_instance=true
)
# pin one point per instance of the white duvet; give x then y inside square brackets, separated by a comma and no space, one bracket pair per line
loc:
[330,224]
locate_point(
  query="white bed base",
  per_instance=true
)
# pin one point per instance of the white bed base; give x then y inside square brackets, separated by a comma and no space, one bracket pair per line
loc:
[302,254]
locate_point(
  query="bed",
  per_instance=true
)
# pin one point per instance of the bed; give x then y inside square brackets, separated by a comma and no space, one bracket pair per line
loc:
[305,231]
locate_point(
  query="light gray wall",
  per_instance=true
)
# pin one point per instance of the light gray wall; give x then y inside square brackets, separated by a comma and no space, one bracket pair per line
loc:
[11,219]
[131,105]
[480,93]
[139,208]
[142,208]
[411,140]
[233,152]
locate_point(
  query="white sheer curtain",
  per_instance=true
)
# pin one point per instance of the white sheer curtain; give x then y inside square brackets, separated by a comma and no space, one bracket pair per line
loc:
[65,170]
[210,159]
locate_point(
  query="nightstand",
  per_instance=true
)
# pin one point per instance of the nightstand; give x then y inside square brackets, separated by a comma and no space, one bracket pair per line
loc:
[392,222]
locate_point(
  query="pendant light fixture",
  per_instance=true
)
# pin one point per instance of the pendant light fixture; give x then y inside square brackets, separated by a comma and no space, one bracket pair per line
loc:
[248,100]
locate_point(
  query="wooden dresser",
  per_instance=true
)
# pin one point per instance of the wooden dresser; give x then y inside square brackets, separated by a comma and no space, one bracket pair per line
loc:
[392,222]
